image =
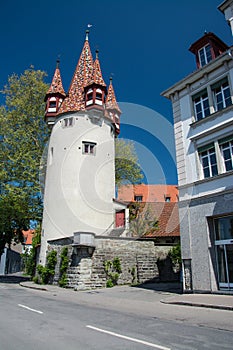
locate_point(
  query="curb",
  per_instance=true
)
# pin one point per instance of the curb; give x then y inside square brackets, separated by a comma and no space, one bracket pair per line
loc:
[208,306]
[33,287]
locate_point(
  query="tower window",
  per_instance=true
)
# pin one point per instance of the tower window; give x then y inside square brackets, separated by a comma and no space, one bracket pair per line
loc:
[68,122]
[99,96]
[52,104]
[90,96]
[167,199]
[89,148]
[205,55]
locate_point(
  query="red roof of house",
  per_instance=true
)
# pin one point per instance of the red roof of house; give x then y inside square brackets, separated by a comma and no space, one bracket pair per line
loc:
[149,193]
[167,215]
[28,236]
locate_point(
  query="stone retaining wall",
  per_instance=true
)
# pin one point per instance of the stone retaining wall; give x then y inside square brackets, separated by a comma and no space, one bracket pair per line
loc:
[138,261]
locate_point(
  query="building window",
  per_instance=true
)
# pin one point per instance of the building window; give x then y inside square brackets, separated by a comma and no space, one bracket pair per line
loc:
[201,105]
[223,228]
[89,148]
[205,55]
[52,104]
[226,147]
[208,161]
[167,199]
[68,122]
[138,198]
[222,95]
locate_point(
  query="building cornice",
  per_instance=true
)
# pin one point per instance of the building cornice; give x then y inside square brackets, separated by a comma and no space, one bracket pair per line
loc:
[198,74]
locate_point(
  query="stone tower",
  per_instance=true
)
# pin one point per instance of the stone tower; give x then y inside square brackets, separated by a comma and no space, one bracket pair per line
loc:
[80,175]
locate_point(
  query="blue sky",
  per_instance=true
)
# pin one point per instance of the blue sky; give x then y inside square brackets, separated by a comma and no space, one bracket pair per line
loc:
[142,44]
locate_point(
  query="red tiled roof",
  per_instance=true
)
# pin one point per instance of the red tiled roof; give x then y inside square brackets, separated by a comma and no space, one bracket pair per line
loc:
[82,75]
[56,85]
[149,193]
[28,236]
[97,77]
[167,215]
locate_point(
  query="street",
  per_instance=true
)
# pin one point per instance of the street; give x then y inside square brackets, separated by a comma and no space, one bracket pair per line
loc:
[118,318]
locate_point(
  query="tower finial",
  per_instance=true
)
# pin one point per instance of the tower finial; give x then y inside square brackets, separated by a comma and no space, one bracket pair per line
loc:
[96,53]
[87,33]
[58,63]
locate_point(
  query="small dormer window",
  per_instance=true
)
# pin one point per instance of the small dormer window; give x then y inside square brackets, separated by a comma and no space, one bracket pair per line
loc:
[205,55]
[52,104]
[138,198]
[90,96]
[99,96]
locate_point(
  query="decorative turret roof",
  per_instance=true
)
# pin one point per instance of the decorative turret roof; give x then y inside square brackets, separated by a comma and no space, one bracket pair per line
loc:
[56,84]
[82,75]
[97,77]
[111,102]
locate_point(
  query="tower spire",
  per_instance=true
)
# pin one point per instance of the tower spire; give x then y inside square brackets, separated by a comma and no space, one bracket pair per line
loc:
[111,102]
[95,90]
[112,107]
[75,100]
[55,96]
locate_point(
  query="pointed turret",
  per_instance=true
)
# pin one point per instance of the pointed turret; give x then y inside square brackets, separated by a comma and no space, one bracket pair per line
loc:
[112,107]
[54,97]
[95,89]
[75,100]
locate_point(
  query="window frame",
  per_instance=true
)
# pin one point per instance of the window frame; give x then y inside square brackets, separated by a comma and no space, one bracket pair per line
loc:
[210,168]
[229,143]
[207,55]
[199,100]
[138,198]
[89,148]
[223,102]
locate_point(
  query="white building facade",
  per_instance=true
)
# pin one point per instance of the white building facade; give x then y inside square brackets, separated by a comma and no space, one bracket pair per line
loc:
[80,175]
[203,125]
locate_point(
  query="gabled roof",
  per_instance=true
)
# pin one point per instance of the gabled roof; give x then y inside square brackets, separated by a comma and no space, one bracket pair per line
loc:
[111,102]
[82,75]
[56,84]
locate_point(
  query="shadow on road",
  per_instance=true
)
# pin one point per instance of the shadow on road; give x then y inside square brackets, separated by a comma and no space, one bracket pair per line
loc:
[14,278]
[169,287]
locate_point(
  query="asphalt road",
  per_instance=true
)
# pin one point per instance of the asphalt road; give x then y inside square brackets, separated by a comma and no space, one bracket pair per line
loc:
[119,318]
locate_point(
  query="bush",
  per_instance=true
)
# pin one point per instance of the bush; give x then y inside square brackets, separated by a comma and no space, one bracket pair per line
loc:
[48,271]
[175,254]
[112,269]
[63,267]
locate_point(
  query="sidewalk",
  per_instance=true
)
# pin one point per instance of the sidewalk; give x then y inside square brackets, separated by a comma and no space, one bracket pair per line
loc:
[213,301]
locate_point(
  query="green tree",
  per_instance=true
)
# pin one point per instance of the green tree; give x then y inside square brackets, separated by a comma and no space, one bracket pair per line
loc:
[127,168]
[23,136]
[142,219]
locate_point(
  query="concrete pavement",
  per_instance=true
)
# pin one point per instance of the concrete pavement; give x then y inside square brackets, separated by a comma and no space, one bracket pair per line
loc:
[174,295]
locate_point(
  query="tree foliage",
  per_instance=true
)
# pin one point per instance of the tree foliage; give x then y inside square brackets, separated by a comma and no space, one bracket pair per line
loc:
[142,219]
[23,135]
[127,168]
